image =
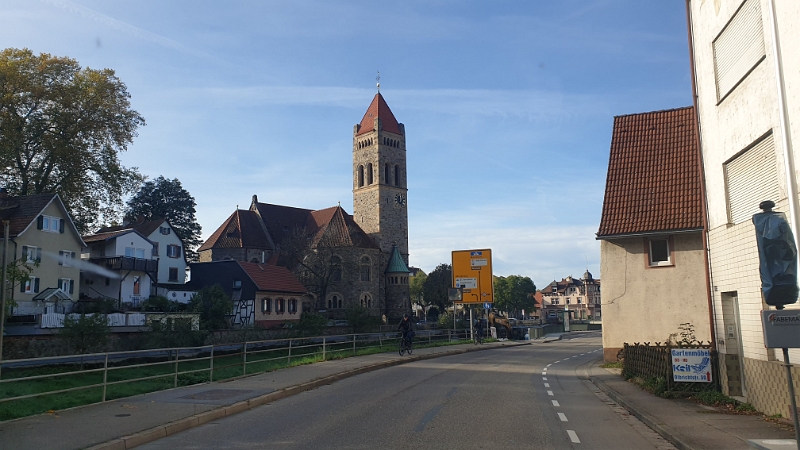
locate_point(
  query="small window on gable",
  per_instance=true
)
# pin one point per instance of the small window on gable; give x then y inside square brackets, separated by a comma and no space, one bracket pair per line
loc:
[164,230]
[659,252]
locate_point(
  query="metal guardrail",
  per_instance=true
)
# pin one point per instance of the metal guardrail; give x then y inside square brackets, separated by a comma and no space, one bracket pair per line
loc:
[223,361]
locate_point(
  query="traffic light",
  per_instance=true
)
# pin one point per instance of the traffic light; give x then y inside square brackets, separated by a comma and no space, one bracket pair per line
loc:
[777,254]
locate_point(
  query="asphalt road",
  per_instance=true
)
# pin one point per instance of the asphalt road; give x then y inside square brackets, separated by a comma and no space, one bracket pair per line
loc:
[522,397]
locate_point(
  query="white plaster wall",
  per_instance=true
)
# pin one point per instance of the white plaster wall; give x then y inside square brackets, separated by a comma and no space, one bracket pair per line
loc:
[748,112]
[644,304]
[132,240]
[164,261]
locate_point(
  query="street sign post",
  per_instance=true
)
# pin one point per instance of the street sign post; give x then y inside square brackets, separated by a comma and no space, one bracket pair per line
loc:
[472,271]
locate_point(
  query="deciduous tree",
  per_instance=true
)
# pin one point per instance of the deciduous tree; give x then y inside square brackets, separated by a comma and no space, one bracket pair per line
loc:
[214,307]
[62,128]
[167,199]
[514,293]
[436,285]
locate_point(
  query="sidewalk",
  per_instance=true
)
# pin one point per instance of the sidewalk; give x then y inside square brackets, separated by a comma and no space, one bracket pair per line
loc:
[685,423]
[128,422]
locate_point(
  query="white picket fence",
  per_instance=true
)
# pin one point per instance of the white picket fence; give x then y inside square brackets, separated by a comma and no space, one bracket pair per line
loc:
[56,320]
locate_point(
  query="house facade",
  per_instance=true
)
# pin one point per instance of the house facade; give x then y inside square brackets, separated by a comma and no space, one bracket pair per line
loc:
[122,267]
[43,237]
[168,249]
[747,85]
[263,295]
[363,257]
[580,296]
[651,232]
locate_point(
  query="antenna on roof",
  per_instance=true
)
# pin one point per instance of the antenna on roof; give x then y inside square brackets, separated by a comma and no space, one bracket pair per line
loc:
[378,79]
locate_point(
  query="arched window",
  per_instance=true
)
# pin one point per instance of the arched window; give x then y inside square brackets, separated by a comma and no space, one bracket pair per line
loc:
[335,302]
[340,303]
[369,173]
[365,269]
[366,300]
[336,268]
[397,175]
[386,174]
[360,176]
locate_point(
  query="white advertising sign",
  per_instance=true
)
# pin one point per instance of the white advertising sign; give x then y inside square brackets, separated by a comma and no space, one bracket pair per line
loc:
[691,365]
[479,262]
[781,328]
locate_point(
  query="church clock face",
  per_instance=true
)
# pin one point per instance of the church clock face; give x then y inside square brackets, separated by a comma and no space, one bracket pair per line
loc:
[400,200]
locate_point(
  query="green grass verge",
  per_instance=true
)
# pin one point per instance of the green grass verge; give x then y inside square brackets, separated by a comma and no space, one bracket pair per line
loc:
[163,375]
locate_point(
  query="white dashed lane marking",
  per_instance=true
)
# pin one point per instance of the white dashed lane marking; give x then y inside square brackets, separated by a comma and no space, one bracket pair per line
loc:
[563,417]
[544,378]
[573,437]
[555,402]
[547,385]
[550,393]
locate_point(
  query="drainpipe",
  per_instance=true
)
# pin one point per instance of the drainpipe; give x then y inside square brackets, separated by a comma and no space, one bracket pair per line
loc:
[701,168]
[786,139]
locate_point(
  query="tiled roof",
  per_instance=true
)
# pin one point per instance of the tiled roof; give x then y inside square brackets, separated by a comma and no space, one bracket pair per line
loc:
[146,227]
[273,278]
[281,221]
[336,228]
[653,181]
[97,237]
[241,230]
[21,211]
[378,109]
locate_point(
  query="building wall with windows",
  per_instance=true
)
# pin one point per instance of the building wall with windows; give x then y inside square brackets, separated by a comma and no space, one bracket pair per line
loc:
[645,300]
[170,254]
[744,149]
[49,245]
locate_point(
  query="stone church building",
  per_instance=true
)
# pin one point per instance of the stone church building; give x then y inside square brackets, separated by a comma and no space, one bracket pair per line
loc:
[363,257]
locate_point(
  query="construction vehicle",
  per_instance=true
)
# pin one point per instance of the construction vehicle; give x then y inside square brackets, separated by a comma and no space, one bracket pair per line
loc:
[499,322]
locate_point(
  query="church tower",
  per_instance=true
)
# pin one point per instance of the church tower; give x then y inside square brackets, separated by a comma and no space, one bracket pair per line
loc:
[380,204]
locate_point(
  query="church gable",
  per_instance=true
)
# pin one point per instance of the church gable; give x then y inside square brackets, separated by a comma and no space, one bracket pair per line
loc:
[241,230]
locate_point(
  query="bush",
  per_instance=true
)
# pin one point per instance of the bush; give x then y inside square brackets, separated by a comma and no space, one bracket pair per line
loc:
[214,307]
[86,334]
[311,324]
[162,304]
[360,320]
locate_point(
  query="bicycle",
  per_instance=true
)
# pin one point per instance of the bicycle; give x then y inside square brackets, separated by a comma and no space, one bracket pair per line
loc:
[477,337]
[405,345]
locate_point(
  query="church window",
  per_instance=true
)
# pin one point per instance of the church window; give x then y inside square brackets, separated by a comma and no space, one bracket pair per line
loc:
[365,269]
[397,175]
[360,176]
[336,269]
[386,173]
[366,300]
[369,173]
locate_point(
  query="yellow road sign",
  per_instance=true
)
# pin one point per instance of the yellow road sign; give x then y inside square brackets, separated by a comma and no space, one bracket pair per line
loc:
[472,271]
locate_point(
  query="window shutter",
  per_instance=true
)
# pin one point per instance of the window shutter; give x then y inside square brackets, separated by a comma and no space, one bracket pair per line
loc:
[38,255]
[36,285]
[71,286]
[25,252]
[22,286]
[738,48]
[60,225]
[751,178]
[60,258]
[39,222]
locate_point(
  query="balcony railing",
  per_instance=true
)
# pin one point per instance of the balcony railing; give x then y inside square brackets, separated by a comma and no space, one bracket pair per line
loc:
[127,263]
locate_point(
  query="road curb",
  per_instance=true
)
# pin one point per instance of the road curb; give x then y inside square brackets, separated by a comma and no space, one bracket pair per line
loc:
[162,431]
[665,431]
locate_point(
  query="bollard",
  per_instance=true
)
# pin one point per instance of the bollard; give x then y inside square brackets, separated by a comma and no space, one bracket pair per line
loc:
[289,358]
[105,377]
[211,369]
[244,359]
[323,349]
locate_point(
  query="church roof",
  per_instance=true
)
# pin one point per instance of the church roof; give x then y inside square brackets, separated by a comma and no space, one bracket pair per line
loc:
[335,228]
[653,182]
[378,109]
[396,263]
[241,230]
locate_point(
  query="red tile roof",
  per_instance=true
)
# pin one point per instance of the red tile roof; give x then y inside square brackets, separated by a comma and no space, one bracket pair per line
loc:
[273,278]
[22,211]
[333,227]
[378,109]
[653,181]
[243,229]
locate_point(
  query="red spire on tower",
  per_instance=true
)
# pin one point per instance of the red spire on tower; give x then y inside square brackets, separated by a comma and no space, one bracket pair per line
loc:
[378,109]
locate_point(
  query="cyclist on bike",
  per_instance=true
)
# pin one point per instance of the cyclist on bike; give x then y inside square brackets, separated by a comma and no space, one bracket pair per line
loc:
[406,328]
[479,329]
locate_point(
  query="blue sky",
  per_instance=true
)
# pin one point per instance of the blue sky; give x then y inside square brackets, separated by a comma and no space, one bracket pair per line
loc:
[508,105]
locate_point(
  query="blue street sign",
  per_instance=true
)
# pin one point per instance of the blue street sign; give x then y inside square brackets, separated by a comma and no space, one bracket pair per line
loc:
[475,253]
[487,306]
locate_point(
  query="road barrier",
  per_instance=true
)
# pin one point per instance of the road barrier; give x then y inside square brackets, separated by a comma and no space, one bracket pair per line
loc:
[101,377]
